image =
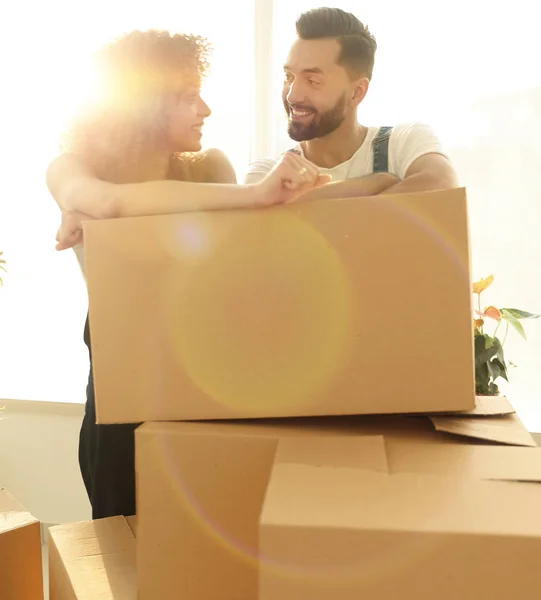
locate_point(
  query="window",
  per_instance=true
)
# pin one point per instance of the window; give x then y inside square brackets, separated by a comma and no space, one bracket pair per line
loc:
[43,301]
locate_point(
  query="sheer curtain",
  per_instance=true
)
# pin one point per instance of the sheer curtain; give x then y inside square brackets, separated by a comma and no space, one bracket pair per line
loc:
[468,68]
[44,56]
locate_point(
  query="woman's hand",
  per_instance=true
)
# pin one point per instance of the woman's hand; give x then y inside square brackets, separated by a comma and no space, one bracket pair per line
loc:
[291,177]
[70,232]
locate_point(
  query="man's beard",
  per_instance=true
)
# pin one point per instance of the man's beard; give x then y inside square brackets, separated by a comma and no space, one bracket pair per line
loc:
[321,124]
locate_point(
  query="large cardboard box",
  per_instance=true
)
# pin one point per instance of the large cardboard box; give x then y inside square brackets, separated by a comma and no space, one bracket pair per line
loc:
[21,576]
[201,489]
[419,522]
[93,560]
[354,306]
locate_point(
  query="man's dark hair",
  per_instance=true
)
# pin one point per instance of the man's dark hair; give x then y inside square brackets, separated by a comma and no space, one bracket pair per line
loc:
[357,44]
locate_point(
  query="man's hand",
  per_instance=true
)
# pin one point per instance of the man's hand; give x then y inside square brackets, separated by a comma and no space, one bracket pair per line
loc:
[70,232]
[291,177]
[357,187]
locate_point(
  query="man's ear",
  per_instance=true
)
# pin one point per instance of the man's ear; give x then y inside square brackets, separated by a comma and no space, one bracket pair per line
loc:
[360,90]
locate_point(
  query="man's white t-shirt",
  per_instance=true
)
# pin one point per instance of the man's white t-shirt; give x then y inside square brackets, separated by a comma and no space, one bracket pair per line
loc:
[407,143]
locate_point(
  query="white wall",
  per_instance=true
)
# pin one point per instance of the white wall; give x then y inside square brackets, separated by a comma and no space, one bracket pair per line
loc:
[38,459]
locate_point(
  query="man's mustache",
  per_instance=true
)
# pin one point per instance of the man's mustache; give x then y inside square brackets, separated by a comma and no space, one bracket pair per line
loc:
[299,107]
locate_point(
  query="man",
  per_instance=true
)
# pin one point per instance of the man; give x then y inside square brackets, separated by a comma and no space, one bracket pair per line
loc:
[327,75]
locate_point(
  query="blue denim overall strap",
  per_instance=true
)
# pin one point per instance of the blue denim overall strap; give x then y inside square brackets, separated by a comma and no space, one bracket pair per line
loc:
[381,150]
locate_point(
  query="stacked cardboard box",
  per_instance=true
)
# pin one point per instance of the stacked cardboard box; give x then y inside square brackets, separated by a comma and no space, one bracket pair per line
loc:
[357,306]
[93,559]
[20,552]
[254,346]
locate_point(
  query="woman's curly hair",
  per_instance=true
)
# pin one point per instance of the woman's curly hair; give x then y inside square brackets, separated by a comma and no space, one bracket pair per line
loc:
[139,75]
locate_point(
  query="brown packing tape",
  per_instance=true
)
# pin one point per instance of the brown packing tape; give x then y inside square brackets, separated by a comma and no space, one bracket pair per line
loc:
[503,429]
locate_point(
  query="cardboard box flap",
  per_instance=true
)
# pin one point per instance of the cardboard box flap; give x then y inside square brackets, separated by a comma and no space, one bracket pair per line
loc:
[479,462]
[486,406]
[363,452]
[132,523]
[9,503]
[13,515]
[504,429]
[406,427]
[349,499]
[93,559]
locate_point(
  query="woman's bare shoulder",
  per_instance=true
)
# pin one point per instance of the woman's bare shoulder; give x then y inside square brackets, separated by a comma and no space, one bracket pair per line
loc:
[216,167]
[208,166]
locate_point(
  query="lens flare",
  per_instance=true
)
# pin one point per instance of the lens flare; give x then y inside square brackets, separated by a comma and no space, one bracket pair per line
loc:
[262,327]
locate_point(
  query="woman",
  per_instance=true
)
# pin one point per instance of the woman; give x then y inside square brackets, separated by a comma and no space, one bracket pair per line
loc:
[136,152]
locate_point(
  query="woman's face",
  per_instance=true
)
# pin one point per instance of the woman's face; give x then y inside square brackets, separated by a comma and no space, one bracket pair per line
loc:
[186,118]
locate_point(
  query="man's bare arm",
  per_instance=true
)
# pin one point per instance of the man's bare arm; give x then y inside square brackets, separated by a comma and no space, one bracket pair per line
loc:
[428,173]
[370,185]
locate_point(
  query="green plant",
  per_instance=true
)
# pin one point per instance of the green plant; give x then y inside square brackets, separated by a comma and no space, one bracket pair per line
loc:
[490,363]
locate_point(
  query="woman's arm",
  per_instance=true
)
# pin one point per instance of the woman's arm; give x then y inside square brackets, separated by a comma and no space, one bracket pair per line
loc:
[76,189]
[290,179]
[214,166]
[70,232]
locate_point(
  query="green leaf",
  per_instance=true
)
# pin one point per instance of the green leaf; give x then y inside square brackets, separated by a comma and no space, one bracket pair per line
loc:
[514,322]
[520,314]
[499,369]
[482,379]
[480,346]
[485,355]
[498,345]
[480,341]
